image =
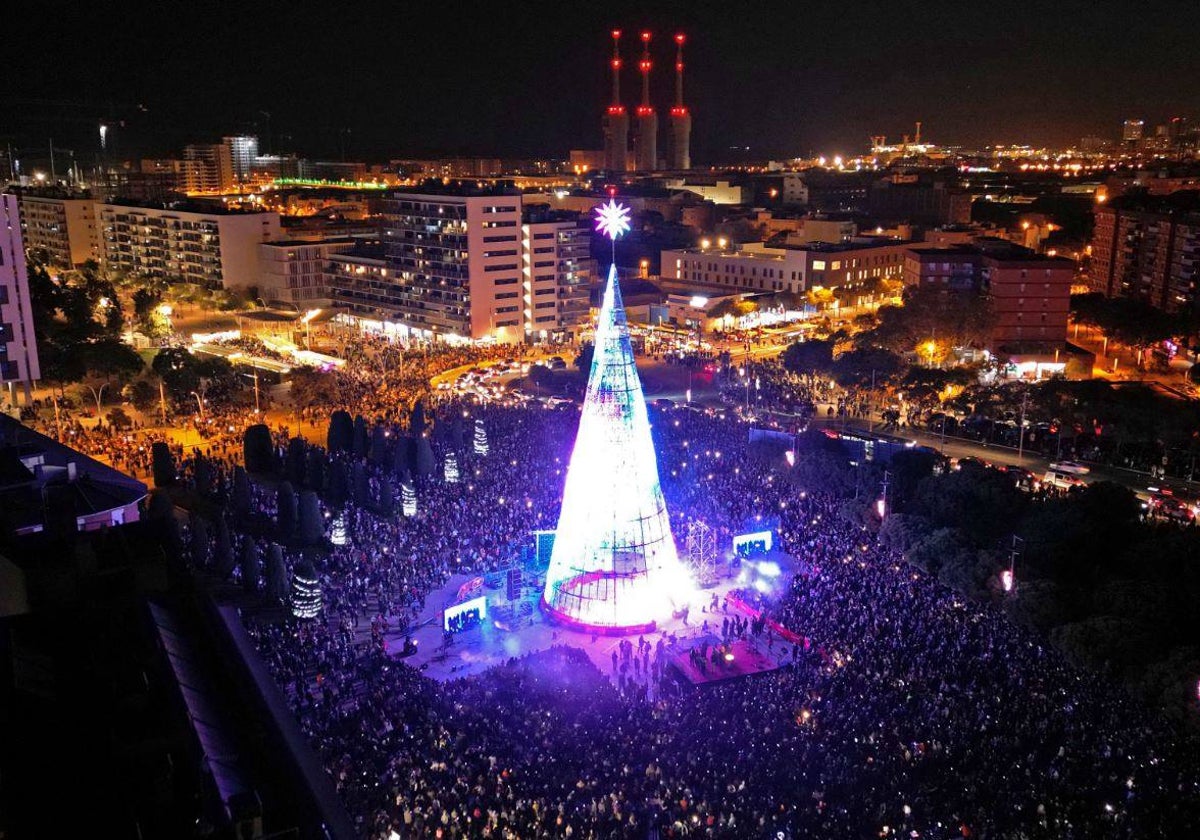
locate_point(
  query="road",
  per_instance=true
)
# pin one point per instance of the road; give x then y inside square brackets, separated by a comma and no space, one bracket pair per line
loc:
[960,448]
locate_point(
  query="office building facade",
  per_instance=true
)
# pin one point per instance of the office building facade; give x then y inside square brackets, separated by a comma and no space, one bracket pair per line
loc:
[755,267]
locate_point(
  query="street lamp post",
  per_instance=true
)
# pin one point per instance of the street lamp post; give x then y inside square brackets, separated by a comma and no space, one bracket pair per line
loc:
[99,395]
[199,404]
[1021,429]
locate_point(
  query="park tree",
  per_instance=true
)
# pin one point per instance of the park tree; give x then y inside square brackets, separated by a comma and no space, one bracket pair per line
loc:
[312,527]
[162,464]
[387,497]
[416,420]
[340,437]
[541,377]
[223,560]
[276,575]
[361,439]
[198,540]
[258,450]
[250,564]
[809,359]
[285,511]
[202,474]
[295,461]
[143,394]
[866,366]
[583,359]
[240,498]
[316,470]
[339,485]
[360,485]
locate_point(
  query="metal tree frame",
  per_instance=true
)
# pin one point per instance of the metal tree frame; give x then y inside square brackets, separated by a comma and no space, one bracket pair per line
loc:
[614,567]
[702,551]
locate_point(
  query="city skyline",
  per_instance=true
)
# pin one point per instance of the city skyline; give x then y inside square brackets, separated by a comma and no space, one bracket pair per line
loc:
[780,82]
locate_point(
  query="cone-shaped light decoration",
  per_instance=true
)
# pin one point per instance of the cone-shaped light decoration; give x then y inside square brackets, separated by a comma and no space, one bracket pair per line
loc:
[614,567]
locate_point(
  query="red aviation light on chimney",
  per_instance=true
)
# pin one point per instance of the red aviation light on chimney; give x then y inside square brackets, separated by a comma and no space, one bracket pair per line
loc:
[679,111]
[644,65]
[644,110]
[616,110]
[646,36]
[679,39]
[616,33]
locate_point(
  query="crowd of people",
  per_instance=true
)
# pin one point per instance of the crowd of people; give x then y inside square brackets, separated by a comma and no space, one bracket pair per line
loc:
[910,714]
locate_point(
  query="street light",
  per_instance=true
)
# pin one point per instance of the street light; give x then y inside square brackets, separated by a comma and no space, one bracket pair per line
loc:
[307,321]
[930,347]
[199,403]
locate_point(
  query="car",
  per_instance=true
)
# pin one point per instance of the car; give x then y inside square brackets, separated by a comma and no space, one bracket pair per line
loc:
[1020,475]
[970,462]
[663,402]
[1062,480]
[557,364]
[1073,467]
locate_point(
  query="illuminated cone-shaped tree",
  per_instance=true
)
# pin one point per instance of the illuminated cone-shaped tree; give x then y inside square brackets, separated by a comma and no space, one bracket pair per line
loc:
[481,444]
[614,567]
[337,530]
[408,499]
[306,591]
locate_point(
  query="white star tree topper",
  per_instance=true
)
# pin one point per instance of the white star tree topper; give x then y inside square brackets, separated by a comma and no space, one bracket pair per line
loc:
[612,219]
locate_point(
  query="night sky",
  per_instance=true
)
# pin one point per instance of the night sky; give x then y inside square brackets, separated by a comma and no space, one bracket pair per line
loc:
[525,79]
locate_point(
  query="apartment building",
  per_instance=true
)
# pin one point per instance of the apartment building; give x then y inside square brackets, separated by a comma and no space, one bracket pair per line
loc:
[18,344]
[1031,293]
[60,224]
[212,247]
[297,271]
[469,264]
[1148,247]
[208,169]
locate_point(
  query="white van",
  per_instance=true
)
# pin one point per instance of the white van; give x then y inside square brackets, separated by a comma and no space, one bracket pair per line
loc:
[1062,480]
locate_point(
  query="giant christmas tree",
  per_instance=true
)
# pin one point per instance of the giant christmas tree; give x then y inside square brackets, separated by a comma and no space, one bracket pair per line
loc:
[614,567]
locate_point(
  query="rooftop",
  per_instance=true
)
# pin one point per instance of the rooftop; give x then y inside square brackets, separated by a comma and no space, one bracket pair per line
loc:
[462,188]
[186,206]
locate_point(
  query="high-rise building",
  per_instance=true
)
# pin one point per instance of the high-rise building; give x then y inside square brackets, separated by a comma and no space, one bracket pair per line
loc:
[18,347]
[557,269]
[646,137]
[1148,246]
[208,169]
[214,248]
[616,119]
[243,152]
[469,263]
[63,225]
[1132,130]
[679,141]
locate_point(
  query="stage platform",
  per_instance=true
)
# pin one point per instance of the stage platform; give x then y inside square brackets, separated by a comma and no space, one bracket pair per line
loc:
[500,636]
[742,658]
